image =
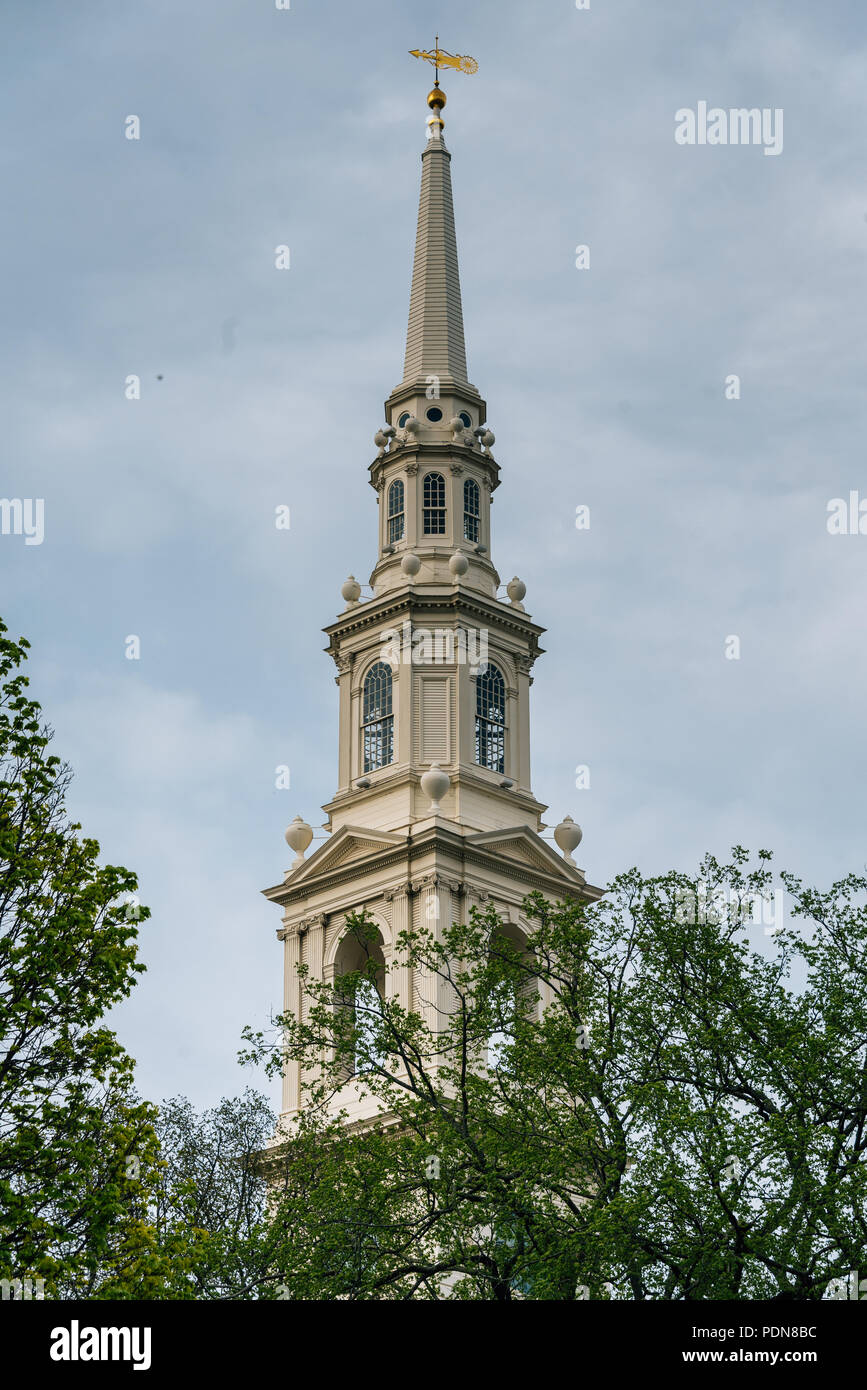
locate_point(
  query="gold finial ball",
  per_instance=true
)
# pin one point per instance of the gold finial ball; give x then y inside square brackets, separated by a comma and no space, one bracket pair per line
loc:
[436,98]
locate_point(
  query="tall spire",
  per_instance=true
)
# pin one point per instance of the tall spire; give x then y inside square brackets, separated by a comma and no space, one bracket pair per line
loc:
[435,335]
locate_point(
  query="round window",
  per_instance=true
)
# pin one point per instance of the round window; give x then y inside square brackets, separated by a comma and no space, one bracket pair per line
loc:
[465,420]
[434,413]
[403,419]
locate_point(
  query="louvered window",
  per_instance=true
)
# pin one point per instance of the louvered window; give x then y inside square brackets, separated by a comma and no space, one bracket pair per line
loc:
[435,720]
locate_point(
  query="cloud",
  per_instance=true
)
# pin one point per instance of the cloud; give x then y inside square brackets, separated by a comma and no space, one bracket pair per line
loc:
[605,387]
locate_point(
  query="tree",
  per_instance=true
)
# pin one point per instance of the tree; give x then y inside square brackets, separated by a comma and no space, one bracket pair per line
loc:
[77,1146]
[209,1200]
[665,1114]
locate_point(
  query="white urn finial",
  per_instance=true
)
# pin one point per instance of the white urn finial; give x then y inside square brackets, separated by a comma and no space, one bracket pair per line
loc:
[435,783]
[410,565]
[516,589]
[568,836]
[351,590]
[458,565]
[298,837]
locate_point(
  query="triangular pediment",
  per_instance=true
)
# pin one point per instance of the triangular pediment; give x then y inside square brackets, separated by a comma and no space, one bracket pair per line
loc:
[347,844]
[522,845]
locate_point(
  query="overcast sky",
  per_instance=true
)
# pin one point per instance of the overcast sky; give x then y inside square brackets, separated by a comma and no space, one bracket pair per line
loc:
[260,387]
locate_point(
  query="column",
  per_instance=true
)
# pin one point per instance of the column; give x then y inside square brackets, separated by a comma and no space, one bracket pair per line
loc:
[434,996]
[291,1006]
[400,977]
[520,768]
[344,681]
[313,955]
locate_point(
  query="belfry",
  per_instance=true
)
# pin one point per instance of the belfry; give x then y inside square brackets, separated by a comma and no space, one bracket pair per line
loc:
[434,811]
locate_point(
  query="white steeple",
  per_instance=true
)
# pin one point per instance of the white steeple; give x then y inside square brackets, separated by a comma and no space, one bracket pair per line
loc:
[435,335]
[434,810]
[436,619]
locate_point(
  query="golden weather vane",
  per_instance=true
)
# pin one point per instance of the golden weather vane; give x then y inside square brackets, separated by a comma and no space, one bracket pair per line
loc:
[441,59]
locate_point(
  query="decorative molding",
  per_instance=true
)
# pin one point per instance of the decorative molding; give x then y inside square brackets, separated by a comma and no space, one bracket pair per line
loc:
[318,919]
[436,880]
[456,468]
[557,879]
[411,468]
[390,609]
[402,890]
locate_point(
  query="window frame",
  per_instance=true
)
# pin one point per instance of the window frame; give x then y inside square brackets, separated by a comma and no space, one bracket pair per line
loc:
[395,518]
[490,732]
[377,721]
[472,518]
[434,509]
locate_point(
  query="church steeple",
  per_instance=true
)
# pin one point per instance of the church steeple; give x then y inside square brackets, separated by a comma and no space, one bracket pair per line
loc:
[434,813]
[435,335]
[434,390]
[450,656]
[435,417]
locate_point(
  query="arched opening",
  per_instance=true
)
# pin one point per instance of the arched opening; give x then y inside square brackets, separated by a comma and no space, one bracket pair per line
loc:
[359,972]
[516,999]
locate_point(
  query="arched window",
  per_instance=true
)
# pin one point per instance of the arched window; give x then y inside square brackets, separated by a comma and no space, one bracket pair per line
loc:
[395,511]
[377,719]
[491,720]
[434,518]
[471,510]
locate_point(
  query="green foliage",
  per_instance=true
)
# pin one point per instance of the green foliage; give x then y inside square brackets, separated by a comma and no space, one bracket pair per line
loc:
[76,1144]
[644,1097]
[674,1120]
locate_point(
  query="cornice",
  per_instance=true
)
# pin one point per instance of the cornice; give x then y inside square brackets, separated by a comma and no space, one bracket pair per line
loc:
[467,857]
[417,386]
[411,456]
[410,774]
[412,599]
